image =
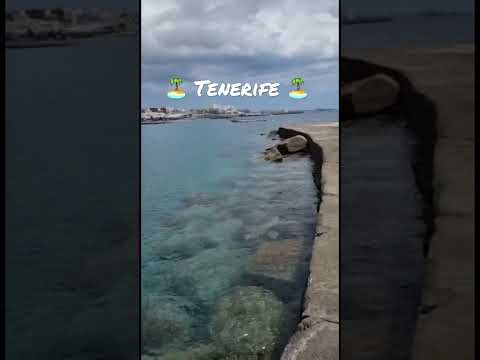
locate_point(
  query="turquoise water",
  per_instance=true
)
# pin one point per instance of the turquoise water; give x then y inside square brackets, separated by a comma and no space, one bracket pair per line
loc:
[226,237]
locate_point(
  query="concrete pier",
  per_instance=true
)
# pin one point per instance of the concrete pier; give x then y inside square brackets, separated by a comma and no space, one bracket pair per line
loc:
[317,335]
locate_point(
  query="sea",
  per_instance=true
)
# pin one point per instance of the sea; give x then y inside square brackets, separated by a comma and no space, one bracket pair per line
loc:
[72,201]
[226,236]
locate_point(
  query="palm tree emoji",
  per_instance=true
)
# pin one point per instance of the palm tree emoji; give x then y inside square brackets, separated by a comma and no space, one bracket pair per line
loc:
[297,81]
[176,81]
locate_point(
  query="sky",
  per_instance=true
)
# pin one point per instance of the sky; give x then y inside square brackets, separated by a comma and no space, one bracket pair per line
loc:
[234,41]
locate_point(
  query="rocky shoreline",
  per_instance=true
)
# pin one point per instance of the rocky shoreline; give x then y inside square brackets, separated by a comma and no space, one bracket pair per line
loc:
[317,334]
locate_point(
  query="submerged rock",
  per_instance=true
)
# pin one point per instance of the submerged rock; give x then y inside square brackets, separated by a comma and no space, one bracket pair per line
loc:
[257,231]
[226,231]
[272,154]
[248,322]
[212,272]
[200,352]
[165,322]
[197,234]
[277,259]
[182,246]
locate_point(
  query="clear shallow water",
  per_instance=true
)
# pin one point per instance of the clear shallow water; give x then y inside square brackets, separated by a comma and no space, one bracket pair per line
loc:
[226,237]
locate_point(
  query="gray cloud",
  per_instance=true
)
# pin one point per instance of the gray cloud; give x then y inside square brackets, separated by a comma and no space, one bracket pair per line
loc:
[249,40]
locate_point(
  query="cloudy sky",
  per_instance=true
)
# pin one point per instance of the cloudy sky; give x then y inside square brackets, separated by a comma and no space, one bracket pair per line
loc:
[240,41]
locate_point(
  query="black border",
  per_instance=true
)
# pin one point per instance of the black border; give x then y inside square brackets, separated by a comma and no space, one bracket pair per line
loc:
[339,181]
[139,124]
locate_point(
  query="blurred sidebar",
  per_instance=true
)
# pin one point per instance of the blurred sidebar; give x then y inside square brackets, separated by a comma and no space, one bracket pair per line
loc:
[407,180]
[72,180]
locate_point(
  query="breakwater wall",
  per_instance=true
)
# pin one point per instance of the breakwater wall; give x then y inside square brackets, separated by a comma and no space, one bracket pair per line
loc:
[317,334]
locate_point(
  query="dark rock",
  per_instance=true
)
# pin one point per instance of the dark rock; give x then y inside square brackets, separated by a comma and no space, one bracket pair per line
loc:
[283,149]
[165,322]
[272,134]
[289,146]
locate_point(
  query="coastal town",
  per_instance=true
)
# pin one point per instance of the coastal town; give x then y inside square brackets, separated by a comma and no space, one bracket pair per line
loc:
[155,115]
[63,26]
